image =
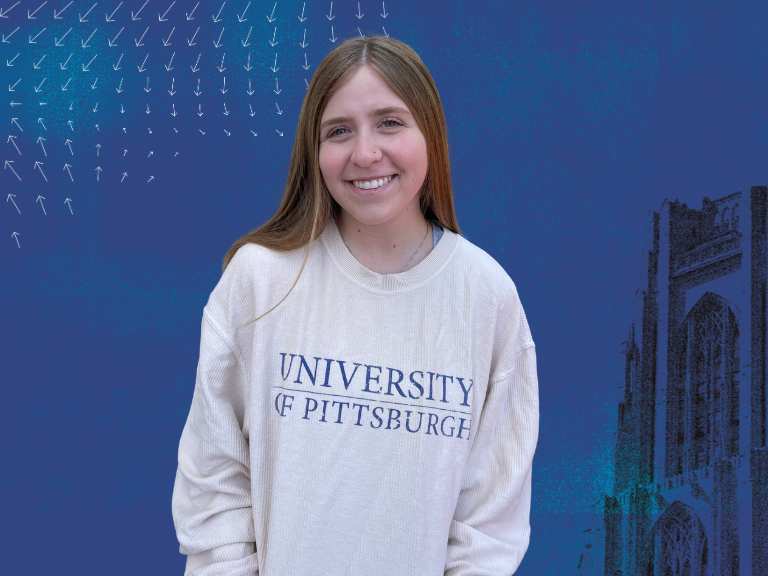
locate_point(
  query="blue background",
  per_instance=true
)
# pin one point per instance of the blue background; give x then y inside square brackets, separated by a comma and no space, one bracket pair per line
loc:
[567,123]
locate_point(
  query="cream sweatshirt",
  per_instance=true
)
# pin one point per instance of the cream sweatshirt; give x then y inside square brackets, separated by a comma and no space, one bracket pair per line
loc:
[370,425]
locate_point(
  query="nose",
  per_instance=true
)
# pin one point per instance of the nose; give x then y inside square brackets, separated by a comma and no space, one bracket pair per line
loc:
[366,151]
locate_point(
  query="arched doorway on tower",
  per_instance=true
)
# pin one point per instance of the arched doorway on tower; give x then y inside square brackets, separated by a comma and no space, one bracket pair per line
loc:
[677,544]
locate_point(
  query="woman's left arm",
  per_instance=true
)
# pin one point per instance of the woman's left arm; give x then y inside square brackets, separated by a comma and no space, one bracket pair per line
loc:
[490,530]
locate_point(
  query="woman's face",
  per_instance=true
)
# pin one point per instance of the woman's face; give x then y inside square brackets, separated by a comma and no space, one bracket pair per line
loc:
[347,150]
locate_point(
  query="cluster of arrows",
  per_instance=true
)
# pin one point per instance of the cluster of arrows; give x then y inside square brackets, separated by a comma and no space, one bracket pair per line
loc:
[75,74]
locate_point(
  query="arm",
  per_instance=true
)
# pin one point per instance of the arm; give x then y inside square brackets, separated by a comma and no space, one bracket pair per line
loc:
[490,530]
[211,494]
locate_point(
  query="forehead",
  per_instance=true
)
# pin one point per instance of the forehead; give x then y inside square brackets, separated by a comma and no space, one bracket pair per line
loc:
[364,92]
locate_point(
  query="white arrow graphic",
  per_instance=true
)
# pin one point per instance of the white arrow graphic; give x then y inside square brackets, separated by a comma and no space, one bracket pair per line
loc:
[218,42]
[85,68]
[167,41]
[5,38]
[112,42]
[85,44]
[9,162]
[191,42]
[109,18]
[58,42]
[31,15]
[32,40]
[6,12]
[139,41]
[37,165]
[216,18]
[134,16]
[12,140]
[245,42]
[82,18]
[163,18]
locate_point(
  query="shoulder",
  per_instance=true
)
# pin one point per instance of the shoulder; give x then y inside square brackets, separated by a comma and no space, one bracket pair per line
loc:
[250,279]
[491,281]
[491,277]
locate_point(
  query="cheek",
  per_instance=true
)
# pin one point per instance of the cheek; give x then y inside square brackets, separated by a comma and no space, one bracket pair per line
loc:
[330,165]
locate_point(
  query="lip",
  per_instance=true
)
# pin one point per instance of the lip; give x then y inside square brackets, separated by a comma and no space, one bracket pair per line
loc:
[371,191]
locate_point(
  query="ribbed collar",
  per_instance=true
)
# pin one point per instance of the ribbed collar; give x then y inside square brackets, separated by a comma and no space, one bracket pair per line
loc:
[338,252]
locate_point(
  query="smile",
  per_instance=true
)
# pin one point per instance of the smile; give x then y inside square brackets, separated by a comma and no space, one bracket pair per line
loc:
[371,191]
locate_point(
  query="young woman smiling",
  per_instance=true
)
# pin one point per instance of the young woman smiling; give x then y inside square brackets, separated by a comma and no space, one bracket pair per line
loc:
[384,419]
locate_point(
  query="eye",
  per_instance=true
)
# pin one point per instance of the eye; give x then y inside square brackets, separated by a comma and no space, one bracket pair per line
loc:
[335,130]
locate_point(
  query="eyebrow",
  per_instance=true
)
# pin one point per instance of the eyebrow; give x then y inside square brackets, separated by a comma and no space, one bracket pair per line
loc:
[377,112]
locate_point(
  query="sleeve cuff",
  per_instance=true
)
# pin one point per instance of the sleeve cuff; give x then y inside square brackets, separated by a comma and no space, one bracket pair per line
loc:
[238,559]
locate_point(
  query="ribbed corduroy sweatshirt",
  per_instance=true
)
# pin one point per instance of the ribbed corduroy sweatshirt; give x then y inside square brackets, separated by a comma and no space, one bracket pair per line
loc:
[370,425]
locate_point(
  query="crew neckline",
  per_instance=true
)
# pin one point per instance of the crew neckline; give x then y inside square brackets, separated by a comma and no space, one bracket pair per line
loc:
[356,272]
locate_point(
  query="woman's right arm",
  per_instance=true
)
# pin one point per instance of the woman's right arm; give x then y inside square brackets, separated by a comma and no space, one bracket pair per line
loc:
[212,509]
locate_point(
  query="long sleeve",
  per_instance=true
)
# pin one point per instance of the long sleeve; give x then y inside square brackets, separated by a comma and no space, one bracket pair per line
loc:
[212,508]
[490,530]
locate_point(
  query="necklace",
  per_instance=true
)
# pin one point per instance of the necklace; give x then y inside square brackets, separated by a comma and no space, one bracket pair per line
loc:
[409,261]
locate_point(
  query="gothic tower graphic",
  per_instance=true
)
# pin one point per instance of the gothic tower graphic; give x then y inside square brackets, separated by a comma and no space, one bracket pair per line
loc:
[690,496]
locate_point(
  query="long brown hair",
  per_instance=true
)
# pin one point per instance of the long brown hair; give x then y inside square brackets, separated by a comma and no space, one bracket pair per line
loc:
[307,204]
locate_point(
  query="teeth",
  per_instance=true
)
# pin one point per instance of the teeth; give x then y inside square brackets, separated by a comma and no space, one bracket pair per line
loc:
[372,184]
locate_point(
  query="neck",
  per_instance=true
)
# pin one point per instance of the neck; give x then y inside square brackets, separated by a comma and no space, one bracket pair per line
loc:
[388,248]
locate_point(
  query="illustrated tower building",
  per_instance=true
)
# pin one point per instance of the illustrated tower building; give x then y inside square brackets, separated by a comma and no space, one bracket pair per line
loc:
[690,496]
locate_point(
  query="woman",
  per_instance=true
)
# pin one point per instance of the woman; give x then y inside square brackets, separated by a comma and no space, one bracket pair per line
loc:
[384,418]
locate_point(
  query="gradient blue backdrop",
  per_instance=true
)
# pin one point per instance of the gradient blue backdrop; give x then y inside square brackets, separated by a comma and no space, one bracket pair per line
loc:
[567,122]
